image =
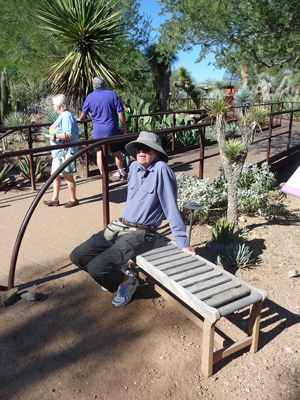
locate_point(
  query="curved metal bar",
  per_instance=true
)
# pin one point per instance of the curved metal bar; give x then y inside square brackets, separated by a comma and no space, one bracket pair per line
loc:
[32,207]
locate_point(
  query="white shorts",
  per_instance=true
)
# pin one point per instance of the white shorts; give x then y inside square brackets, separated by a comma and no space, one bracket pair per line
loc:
[55,166]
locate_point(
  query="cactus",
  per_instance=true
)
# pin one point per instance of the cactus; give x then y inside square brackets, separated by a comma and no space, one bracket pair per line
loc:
[5,101]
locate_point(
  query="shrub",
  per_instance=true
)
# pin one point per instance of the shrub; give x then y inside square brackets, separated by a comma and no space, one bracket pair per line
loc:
[253,192]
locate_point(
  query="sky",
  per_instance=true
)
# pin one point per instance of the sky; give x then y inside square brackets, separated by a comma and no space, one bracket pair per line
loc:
[199,71]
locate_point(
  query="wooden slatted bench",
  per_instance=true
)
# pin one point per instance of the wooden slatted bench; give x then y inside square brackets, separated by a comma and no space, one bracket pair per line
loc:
[205,293]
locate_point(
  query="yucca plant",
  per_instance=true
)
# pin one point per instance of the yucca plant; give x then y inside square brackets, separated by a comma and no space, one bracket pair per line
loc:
[223,232]
[89,28]
[258,115]
[18,119]
[37,167]
[4,174]
[233,149]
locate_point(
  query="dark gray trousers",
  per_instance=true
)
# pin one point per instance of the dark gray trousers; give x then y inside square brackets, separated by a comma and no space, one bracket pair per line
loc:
[101,258]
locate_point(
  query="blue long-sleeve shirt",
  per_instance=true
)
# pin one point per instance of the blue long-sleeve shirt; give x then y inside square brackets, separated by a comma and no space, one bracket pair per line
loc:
[152,194]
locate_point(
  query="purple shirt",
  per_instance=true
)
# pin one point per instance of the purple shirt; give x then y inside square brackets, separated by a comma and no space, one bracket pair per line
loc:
[151,195]
[104,106]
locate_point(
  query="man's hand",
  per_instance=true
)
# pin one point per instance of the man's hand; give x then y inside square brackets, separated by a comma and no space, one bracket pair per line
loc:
[189,250]
[123,130]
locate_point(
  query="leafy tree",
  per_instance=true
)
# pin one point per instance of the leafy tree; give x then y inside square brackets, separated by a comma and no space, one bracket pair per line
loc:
[263,32]
[160,65]
[25,49]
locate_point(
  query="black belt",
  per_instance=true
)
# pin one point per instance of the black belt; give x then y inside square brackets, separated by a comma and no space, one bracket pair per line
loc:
[132,225]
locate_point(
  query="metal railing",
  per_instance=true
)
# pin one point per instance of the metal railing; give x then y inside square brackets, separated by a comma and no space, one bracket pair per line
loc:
[90,144]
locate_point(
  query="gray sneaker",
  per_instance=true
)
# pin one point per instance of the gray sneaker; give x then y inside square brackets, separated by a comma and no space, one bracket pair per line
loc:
[125,292]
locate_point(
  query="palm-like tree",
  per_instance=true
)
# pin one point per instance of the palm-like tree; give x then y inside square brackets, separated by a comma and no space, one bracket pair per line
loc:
[88,28]
[234,153]
[160,66]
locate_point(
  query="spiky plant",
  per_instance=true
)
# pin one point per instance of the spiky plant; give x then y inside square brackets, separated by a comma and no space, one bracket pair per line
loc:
[89,28]
[243,98]
[223,232]
[235,255]
[18,118]
[258,115]
[233,149]
[232,129]
[37,167]
[217,109]
[4,174]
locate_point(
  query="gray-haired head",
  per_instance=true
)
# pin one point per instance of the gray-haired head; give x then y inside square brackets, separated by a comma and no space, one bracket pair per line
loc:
[98,82]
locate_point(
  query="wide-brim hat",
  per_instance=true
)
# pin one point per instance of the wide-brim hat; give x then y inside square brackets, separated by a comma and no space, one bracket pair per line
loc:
[149,139]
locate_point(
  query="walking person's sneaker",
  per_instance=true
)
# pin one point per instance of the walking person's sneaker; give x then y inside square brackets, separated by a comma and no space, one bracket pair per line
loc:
[123,178]
[125,292]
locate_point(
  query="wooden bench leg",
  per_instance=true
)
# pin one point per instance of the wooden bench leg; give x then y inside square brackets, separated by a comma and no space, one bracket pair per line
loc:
[208,348]
[254,323]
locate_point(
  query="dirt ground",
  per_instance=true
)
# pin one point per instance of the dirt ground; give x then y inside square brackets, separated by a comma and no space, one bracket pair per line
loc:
[73,344]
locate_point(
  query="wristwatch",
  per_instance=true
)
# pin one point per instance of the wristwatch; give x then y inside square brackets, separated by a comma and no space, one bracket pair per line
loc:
[54,136]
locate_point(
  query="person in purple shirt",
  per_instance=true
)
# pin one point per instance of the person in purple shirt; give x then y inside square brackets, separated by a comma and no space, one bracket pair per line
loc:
[152,194]
[105,107]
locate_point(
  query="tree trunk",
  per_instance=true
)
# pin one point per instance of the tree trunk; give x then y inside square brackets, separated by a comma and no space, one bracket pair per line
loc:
[282,84]
[187,90]
[245,75]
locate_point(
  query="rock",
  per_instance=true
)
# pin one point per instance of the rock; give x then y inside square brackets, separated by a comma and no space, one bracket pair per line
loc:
[293,273]
[242,219]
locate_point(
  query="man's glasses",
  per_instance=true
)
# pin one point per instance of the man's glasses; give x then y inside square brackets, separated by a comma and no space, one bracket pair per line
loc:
[142,147]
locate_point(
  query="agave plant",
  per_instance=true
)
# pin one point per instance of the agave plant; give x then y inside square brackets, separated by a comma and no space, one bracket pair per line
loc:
[232,254]
[232,129]
[18,118]
[88,28]
[233,149]
[37,167]
[4,174]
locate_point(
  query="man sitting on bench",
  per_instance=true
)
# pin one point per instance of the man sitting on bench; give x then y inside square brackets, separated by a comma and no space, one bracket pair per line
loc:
[152,194]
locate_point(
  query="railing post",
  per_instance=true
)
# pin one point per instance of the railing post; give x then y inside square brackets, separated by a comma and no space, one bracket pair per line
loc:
[269,139]
[136,124]
[105,188]
[86,156]
[173,134]
[201,162]
[290,133]
[31,163]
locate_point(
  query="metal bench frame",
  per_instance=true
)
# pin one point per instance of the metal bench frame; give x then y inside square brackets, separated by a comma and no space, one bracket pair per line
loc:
[203,292]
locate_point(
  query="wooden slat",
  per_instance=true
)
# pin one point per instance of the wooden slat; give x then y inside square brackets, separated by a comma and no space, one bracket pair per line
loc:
[168,252]
[178,263]
[187,273]
[186,266]
[205,294]
[176,257]
[239,304]
[211,283]
[241,344]
[227,296]
[196,283]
